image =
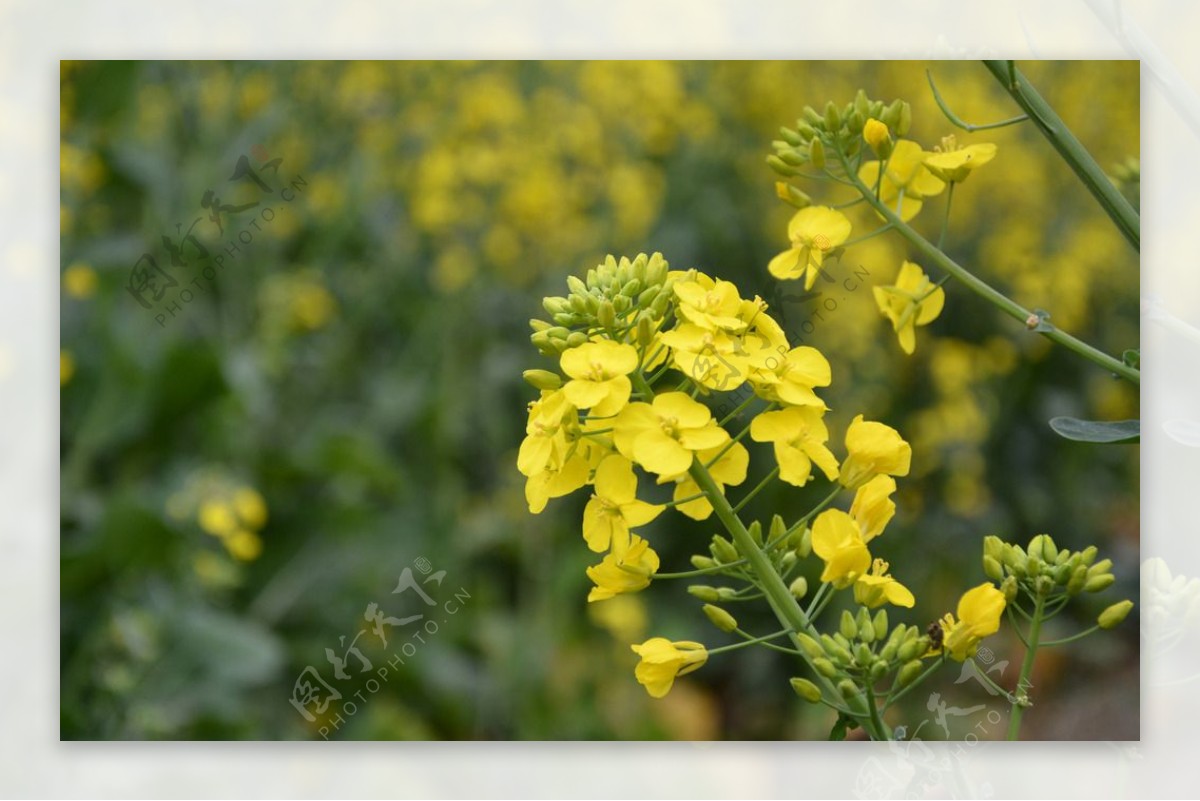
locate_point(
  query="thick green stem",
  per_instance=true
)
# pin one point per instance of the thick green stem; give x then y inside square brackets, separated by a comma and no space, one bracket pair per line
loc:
[1070,148]
[1021,694]
[995,297]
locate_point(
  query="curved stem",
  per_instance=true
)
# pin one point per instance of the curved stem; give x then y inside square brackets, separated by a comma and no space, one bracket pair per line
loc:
[1020,696]
[751,641]
[1071,149]
[761,485]
[995,297]
[1072,638]
[958,121]
[926,673]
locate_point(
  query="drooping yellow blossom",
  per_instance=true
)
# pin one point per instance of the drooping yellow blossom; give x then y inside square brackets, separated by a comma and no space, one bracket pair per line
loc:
[906,182]
[80,281]
[953,164]
[555,482]
[814,231]
[729,470]
[979,612]
[663,660]
[662,436]
[873,506]
[627,573]
[876,588]
[600,375]
[837,539]
[873,449]
[711,358]
[614,507]
[799,435]
[913,300]
[710,304]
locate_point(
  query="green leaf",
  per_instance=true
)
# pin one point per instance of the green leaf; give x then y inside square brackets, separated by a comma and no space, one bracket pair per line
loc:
[1097,430]
[841,726]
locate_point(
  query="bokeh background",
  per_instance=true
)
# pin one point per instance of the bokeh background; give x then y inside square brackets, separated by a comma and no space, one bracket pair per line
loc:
[348,386]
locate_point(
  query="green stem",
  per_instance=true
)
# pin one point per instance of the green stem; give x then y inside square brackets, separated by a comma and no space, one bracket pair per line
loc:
[946,218]
[751,641]
[937,663]
[876,720]
[961,123]
[741,408]
[837,488]
[761,485]
[1072,638]
[1070,148]
[1020,694]
[996,298]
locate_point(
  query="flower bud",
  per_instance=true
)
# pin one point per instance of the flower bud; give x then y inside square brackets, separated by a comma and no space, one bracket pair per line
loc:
[880,624]
[804,547]
[727,593]
[538,325]
[605,315]
[542,379]
[632,288]
[848,628]
[787,561]
[905,121]
[1088,554]
[1114,614]
[778,529]
[1100,568]
[833,118]
[791,195]
[911,649]
[702,562]
[794,157]
[799,588]
[878,137]
[645,331]
[806,131]
[866,629]
[863,656]
[720,618]
[723,549]
[621,304]
[810,646]
[810,115]
[704,592]
[993,546]
[576,286]
[862,103]
[1049,551]
[1061,573]
[888,652]
[824,667]
[992,568]
[780,166]
[1098,583]
[891,116]
[806,690]
[878,668]
[1043,585]
[1009,587]
[793,138]
[835,649]
[848,689]
[909,673]
[555,306]
[816,153]
[755,531]
[576,339]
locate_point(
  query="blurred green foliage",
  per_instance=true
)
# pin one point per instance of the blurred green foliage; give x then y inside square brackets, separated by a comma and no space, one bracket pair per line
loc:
[357,366]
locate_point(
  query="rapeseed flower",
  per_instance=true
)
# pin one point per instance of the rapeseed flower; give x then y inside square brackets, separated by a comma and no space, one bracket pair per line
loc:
[814,232]
[628,572]
[614,507]
[663,660]
[663,435]
[799,435]
[913,300]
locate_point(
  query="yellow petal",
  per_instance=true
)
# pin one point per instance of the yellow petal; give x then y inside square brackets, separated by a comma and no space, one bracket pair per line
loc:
[658,453]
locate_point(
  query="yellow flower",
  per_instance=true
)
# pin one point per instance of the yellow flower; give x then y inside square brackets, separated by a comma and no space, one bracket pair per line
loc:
[906,181]
[790,377]
[243,545]
[877,588]
[875,133]
[837,539]
[979,612]
[545,443]
[620,574]
[614,507]
[662,436]
[799,435]
[250,507]
[729,470]
[712,359]
[555,482]
[873,449]
[663,660]
[80,280]
[913,300]
[66,367]
[953,164]
[600,375]
[873,506]
[217,518]
[712,305]
[814,231]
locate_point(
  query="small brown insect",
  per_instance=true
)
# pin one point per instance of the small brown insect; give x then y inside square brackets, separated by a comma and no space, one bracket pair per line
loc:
[935,635]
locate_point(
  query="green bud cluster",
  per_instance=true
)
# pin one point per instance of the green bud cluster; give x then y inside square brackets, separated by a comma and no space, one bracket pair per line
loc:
[866,649]
[1042,568]
[633,295]
[838,127]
